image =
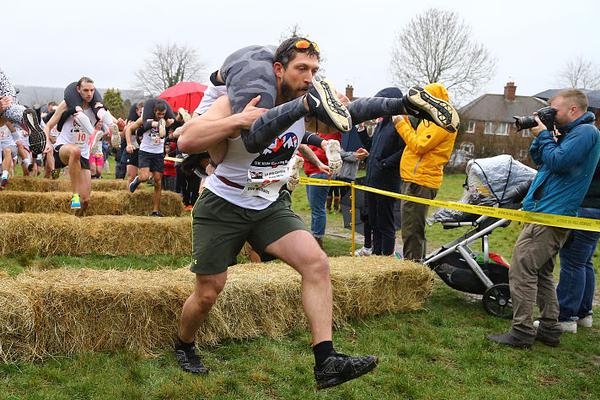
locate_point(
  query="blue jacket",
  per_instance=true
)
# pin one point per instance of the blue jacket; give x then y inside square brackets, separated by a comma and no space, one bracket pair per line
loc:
[566,167]
[385,149]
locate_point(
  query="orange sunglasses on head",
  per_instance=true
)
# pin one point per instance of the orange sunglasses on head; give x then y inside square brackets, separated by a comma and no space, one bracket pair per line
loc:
[305,44]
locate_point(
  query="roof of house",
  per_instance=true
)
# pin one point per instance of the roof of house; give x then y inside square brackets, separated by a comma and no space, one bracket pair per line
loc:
[593,96]
[494,107]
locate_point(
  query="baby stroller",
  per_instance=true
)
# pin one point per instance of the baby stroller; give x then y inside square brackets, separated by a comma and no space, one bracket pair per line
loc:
[498,181]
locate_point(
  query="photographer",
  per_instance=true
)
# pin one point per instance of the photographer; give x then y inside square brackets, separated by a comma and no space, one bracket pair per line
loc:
[567,158]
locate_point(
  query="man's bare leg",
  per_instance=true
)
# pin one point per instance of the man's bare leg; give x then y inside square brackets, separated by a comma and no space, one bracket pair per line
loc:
[132,171]
[70,155]
[194,312]
[85,191]
[196,307]
[157,191]
[302,252]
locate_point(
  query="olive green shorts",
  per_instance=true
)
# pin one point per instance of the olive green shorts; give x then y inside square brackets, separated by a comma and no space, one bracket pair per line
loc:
[220,229]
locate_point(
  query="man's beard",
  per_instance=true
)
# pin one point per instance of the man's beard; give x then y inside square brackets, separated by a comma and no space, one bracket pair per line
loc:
[286,92]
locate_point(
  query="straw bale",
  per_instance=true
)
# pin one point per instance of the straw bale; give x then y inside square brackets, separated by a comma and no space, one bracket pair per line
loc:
[31,184]
[17,329]
[101,203]
[91,310]
[53,234]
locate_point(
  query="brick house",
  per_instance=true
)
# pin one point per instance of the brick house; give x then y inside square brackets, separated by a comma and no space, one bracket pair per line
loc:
[487,127]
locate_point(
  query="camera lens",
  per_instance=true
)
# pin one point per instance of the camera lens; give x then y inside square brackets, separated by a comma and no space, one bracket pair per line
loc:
[525,122]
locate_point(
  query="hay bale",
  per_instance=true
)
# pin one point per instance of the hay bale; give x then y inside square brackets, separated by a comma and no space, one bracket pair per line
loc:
[53,234]
[85,310]
[101,203]
[17,330]
[31,184]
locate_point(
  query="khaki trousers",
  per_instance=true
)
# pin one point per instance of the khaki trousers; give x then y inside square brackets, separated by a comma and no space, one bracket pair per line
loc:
[531,279]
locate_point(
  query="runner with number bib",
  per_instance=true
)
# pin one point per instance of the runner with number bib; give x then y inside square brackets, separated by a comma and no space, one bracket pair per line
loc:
[72,144]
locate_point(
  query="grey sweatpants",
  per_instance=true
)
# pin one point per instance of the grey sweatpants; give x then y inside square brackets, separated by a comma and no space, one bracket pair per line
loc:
[248,72]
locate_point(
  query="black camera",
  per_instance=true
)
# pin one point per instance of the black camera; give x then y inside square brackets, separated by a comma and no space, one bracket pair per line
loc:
[545,114]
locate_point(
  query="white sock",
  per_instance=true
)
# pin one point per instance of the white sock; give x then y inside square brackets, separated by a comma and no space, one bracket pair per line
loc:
[106,118]
[84,122]
[5,174]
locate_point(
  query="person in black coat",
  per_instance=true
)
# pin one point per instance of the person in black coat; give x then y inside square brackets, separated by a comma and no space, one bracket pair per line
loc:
[383,172]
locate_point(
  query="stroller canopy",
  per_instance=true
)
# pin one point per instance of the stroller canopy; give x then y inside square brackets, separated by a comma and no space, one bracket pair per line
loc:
[490,181]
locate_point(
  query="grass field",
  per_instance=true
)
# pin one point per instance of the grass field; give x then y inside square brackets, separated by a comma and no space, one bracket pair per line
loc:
[436,353]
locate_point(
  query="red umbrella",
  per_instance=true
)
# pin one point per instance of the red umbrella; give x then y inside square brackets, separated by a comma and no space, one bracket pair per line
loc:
[184,94]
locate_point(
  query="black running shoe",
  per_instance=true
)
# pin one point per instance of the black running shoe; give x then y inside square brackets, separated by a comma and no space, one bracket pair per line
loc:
[134,184]
[324,104]
[339,368]
[424,105]
[155,214]
[37,137]
[189,361]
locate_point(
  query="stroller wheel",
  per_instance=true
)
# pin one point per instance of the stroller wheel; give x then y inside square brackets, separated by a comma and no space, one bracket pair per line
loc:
[496,301]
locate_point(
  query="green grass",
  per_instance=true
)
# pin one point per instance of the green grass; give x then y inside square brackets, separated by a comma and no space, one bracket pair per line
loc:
[437,353]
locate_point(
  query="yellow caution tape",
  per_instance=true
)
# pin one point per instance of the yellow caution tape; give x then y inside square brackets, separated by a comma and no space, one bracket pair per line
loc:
[560,221]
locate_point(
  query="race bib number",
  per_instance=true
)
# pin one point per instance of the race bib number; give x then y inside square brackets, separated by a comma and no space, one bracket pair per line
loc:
[79,136]
[266,182]
[155,139]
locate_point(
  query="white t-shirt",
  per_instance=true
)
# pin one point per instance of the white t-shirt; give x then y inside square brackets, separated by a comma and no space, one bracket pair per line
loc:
[19,135]
[211,94]
[152,142]
[6,137]
[72,133]
[261,174]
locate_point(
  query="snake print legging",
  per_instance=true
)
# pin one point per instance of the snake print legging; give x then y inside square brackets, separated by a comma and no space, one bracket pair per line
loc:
[14,113]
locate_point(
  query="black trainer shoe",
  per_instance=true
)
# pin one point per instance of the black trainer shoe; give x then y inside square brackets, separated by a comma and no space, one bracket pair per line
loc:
[324,104]
[423,105]
[189,361]
[339,368]
[134,184]
[508,339]
[551,339]
[155,214]
[37,137]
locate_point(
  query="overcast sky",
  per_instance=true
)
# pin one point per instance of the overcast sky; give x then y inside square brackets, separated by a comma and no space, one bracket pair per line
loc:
[52,43]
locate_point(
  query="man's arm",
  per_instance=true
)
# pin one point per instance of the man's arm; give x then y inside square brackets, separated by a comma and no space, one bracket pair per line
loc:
[5,102]
[131,127]
[62,107]
[562,158]
[216,124]
[312,158]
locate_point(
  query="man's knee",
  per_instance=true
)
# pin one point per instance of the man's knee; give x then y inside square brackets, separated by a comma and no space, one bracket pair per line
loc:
[74,153]
[317,266]
[208,288]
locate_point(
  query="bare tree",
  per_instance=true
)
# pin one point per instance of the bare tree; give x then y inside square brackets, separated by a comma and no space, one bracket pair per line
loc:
[580,73]
[168,65]
[292,31]
[436,46]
